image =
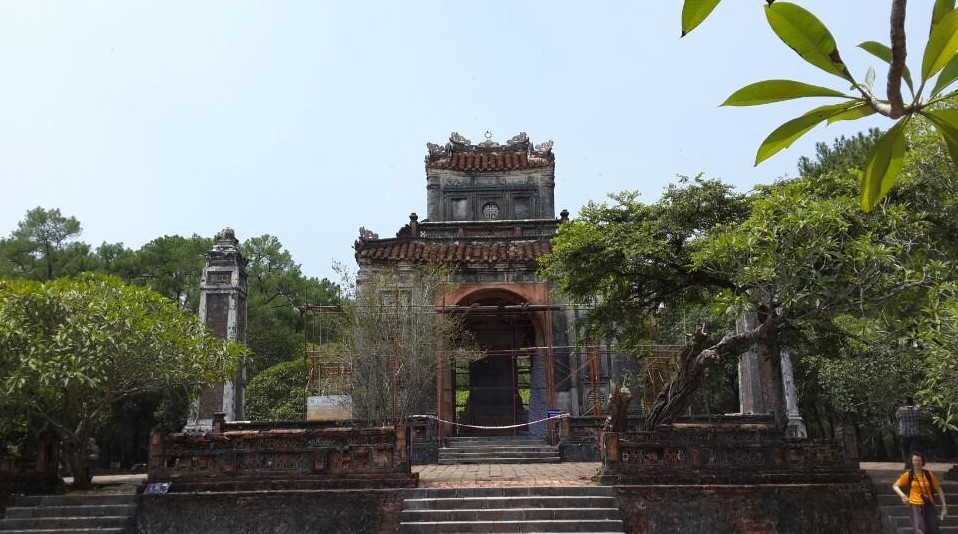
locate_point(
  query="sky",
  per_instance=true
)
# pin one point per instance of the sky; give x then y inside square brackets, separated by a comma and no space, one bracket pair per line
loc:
[307,120]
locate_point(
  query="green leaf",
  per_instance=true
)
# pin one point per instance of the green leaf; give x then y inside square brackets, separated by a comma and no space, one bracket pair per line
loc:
[883,165]
[786,134]
[946,122]
[942,45]
[870,79]
[806,35]
[855,112]
[883,52]
[948,75]
[942,8]
[769,91]
[694,12]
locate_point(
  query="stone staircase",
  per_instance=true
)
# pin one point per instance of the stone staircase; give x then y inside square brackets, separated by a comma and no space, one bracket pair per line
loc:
[497,450]
[94,514]
[511,509]
[894,515]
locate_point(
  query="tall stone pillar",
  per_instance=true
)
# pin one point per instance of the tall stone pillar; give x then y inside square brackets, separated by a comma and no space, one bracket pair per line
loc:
[750,396]
[759,375]
[223,309]
[795,426]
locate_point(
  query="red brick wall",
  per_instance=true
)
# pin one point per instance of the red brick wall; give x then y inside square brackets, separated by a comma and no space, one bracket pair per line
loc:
[750,509]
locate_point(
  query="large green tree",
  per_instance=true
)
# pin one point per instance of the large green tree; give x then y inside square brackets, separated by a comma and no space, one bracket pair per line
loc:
[44,247]
[799,253]
[279,295]
[170,265]
[73,347]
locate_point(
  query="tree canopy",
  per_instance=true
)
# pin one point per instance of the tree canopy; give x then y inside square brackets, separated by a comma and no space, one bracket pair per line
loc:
[828,279]
[70,348]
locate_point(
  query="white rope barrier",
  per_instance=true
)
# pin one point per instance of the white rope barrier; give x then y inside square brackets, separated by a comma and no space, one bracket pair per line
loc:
[482,427]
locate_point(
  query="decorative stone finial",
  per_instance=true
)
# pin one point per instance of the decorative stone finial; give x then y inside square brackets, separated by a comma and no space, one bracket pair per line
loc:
[225,249]
[564,216]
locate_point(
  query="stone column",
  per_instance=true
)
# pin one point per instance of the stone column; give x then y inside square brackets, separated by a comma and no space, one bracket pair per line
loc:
[795,426]
[750,398]
[223,289]
[759,375]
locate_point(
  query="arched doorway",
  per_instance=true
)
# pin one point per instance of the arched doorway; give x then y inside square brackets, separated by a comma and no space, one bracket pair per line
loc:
[496,389]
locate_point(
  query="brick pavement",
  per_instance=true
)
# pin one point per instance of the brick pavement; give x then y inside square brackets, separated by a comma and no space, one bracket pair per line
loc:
[448,476]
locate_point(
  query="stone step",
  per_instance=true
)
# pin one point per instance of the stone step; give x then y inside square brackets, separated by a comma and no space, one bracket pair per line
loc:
[511,509]
[495,502]
[37,514]
[495,439]
[511,491]
[498,460]
[941,530]
[69,531]
[444,453]
[71,523]
[530,447]
[903,521]
[72,500]
[26,512]
[508,514]
[599,525]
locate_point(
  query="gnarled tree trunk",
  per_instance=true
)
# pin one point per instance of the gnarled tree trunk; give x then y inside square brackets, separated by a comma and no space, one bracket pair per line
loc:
[695,358]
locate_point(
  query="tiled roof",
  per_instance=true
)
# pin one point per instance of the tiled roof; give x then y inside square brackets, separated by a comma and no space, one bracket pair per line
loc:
[496,161]
[481,252]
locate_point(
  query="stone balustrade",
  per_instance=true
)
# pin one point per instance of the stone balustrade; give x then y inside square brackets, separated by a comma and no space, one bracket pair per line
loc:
[252,456]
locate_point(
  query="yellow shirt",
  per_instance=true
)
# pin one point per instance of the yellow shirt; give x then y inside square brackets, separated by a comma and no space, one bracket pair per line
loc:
[919,484]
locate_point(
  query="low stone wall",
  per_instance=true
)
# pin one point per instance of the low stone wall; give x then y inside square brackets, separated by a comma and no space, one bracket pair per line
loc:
[288,512]
[424,441]
[35,473]
[747,478]
[750,509]
[579,438]
[254,456]
[715,454]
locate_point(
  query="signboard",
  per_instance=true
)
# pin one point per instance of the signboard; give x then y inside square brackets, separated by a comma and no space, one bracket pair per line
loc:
[329,408]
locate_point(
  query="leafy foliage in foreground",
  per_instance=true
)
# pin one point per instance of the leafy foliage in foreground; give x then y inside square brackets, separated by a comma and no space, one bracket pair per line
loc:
[804,33]
[72,347]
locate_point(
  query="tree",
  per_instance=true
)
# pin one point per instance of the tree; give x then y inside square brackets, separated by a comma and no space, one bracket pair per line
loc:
[278,295]
[42,247]
[278,393]
[71,348]
[629,260]
[797,253]
[394,340]
[806,35]
[171,266]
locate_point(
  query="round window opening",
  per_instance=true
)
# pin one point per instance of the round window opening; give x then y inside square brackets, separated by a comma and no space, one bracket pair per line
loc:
[490,211]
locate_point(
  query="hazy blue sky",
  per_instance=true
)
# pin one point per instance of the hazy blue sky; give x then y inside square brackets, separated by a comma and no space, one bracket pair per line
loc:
[307,120]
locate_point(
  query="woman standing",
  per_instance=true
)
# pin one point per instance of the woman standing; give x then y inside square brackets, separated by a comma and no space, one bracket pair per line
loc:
[919,483]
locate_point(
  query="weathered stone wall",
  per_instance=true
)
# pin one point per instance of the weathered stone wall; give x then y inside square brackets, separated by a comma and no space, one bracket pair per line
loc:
[271,456]
[35,473]
[750,509]
[288,512]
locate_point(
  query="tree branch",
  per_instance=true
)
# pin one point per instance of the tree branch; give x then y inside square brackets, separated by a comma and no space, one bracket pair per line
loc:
[898,53]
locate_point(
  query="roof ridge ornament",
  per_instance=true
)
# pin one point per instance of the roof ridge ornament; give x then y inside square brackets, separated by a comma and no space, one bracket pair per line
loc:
[516,153]
[488,143]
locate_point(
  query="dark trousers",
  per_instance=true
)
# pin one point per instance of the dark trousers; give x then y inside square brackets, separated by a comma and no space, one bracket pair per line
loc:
[924,519]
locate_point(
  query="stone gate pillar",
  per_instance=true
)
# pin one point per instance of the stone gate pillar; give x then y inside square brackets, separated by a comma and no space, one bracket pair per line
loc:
[223,309]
